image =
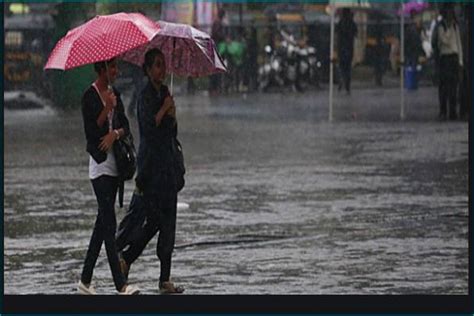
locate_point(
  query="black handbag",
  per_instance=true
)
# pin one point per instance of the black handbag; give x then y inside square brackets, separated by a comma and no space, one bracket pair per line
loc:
[178,161]
[125,157]
[126,160]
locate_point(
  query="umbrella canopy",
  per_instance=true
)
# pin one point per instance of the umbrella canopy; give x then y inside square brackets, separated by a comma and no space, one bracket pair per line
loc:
[101,38]
[188,51]
[413,7]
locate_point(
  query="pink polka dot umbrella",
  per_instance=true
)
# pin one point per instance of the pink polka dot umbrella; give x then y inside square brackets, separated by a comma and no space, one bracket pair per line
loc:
[101,38]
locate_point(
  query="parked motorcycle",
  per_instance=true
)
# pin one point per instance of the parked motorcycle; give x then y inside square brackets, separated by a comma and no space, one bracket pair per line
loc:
[271,72]
[306,61]
[291,62]
[289,66]
[309,66]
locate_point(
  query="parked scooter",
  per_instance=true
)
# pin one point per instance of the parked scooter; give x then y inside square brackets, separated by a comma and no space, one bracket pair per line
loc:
[290,50]
[270,73]
[309,67]
[289,66]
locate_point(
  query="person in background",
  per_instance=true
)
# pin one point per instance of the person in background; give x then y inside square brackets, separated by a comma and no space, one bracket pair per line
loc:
[227,78]
[413,43]
[104,122]
[380,53]
[394,55]
[448,53]
[237,50]
[251,60]
[346,31]
[218,35]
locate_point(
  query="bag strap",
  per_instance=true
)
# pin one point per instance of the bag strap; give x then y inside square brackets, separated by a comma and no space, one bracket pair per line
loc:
[120,192]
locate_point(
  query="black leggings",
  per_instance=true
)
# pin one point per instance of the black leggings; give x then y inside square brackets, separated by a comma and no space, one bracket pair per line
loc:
[105,189]
[448,84]
[158,211]
[345,68]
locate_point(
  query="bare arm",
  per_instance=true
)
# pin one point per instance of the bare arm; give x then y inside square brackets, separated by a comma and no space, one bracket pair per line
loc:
[110,103]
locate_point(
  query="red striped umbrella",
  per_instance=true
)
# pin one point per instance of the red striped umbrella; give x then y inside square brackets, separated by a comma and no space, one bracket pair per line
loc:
[101,38]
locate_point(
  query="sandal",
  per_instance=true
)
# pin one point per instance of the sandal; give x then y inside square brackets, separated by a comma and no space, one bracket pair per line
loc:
[85,289]
[168,287]
[130,290]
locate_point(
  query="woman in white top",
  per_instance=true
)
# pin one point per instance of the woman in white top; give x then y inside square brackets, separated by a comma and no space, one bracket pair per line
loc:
[104,123]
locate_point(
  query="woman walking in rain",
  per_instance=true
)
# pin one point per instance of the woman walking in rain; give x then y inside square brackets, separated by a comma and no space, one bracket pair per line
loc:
[104,123]
[156,178]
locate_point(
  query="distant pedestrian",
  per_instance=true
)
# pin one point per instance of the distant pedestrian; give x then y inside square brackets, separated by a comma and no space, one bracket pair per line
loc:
[435,20]
[346,31]
[218,34]
[238,50]
[394,55]
[413,43]
[251,60]
[449,56]
[380,54]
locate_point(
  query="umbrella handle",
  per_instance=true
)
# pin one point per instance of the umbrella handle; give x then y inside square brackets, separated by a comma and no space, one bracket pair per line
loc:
[174,45]
[109,86]
[171,84]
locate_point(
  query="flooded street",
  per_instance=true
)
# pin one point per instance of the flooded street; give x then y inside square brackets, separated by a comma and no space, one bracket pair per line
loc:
[277,200]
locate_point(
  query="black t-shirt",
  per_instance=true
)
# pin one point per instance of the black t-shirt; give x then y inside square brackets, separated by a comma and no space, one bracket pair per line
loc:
[155,155]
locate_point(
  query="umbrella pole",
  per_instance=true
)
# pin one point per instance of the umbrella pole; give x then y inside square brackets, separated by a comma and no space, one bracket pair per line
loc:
[109,85]
[174,46]
[171,84]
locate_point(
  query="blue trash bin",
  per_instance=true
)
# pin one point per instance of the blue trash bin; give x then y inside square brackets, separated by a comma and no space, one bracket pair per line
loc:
[411,80]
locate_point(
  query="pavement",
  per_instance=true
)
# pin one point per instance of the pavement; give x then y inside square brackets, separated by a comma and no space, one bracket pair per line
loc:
[363,104]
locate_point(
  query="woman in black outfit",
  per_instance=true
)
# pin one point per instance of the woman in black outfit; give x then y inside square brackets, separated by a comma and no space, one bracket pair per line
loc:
[448,53]
[346,31]
[104,123]
[156,178]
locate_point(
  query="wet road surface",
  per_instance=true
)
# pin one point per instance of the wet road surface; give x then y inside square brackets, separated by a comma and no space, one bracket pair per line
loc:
[279,200]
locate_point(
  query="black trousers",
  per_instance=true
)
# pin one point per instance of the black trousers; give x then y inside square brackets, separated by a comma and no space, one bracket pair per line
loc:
[448,84]
[152,212]
[105,189]
[345,68]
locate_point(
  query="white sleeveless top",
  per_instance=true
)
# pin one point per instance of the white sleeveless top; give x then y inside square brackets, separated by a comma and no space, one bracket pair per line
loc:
[107,167]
